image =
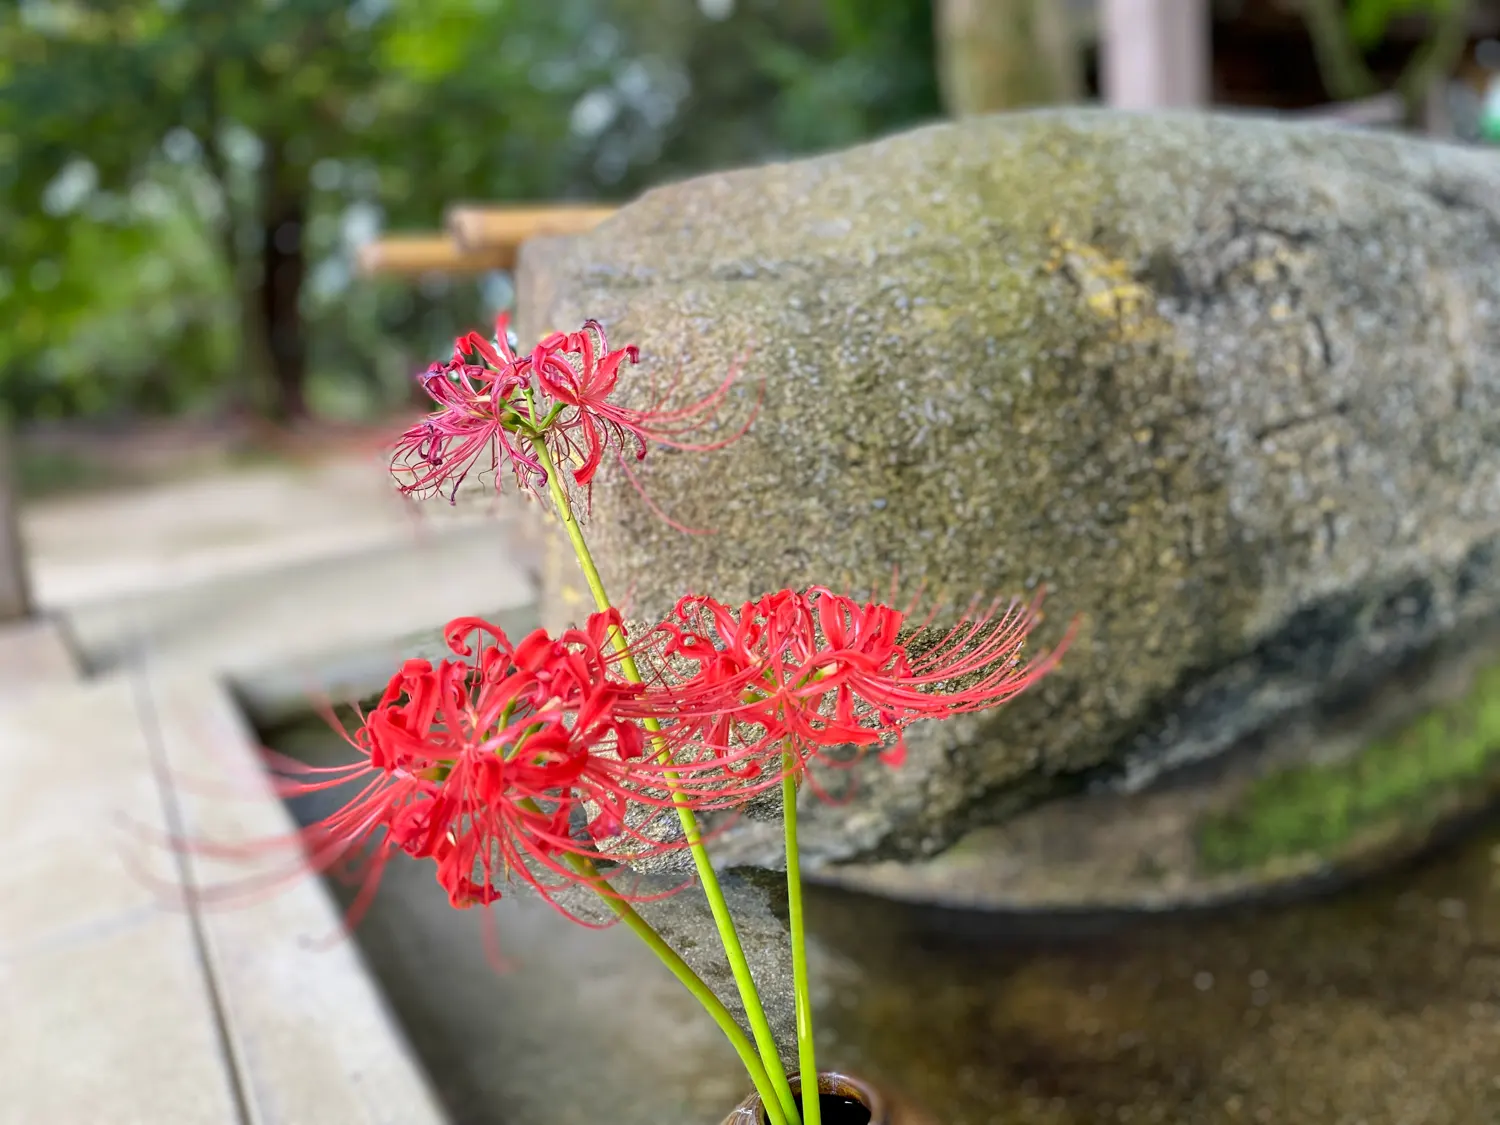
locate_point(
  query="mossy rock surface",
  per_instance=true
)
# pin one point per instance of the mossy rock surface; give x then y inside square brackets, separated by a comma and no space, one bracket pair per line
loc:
[1312,803]
[1228,387]
[1444,758]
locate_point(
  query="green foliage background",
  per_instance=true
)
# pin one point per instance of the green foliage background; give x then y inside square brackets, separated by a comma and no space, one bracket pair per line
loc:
[145,144]
[1368,19]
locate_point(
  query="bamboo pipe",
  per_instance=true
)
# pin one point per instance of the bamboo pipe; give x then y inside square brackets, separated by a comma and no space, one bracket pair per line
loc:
[505,228]
[415,255]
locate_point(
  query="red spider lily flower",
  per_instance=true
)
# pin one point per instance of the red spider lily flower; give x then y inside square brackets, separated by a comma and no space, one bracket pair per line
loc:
[477,418]
[493,405]
[474,348]
[474,423]
[577,372]
[501,765]
[826,671]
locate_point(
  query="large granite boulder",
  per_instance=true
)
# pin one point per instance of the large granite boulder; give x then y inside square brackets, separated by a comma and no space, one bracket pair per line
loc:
[1228,387]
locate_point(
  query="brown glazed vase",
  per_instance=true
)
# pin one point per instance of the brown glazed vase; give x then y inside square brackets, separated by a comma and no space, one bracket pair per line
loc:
[885,1108]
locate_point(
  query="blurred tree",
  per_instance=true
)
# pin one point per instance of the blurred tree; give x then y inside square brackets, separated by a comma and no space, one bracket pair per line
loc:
[181,180]
[286,113]
[1341,36]
[1006,54]
[873,70]
[765,79]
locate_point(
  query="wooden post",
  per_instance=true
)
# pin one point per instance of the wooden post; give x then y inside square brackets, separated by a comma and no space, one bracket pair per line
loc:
[1156,54]
[15,591]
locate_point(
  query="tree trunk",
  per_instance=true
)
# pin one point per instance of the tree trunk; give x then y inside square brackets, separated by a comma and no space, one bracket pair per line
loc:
[273,309]
[283,269]
[1347,77]
[15,594]
[267,281]
[1423,84]
[1005,54]
[1341,64]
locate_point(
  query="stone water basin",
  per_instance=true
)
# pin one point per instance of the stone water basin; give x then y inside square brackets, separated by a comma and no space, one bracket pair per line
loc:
[1378,1004]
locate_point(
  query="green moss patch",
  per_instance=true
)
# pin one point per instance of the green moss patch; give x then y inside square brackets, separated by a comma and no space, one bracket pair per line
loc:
[1397,780]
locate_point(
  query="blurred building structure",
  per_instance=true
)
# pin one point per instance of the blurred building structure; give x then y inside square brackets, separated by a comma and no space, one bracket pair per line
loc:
[1151,54]
[1156,54]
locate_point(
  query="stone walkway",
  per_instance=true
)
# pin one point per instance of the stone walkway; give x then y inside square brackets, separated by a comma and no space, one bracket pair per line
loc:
[127,1000]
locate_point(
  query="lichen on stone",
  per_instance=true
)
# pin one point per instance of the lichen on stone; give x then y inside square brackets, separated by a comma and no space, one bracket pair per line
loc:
[1449,755]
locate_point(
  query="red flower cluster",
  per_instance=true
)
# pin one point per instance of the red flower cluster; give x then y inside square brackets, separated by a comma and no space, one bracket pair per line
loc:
[543,761]
[494,404]
[514,761]
[824,671]
[504,763]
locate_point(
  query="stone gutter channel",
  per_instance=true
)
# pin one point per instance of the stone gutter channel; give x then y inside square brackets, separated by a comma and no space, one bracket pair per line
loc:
[147,983]
[135,990]
[172,816]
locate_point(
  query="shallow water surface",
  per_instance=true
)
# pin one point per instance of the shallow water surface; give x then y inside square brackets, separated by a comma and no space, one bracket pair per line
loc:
[1379,1005]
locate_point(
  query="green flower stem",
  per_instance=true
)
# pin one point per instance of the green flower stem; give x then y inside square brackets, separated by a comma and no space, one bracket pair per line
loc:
[684,973]
[734,952]
[680,969]
[807,1063]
